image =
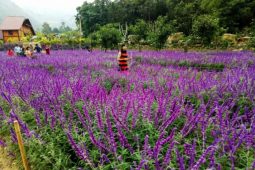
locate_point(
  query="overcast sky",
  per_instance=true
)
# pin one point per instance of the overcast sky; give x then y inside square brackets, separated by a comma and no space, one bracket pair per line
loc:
[52,9]
[63,6]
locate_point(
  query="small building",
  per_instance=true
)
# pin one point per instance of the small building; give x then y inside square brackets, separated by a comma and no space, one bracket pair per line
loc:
[13,28]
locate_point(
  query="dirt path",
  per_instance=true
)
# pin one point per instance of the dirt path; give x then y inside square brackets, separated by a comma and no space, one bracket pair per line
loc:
[5,163]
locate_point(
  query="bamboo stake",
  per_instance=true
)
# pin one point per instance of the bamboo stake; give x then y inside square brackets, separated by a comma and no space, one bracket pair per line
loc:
[21,146]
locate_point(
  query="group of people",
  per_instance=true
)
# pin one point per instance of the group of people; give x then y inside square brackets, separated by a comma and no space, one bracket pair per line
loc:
[27,51]
[123,59]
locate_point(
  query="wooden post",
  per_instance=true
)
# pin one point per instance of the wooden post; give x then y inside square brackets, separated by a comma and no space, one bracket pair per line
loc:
[21,146]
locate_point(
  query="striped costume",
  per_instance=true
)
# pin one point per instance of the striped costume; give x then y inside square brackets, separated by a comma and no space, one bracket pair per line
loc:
[123,60]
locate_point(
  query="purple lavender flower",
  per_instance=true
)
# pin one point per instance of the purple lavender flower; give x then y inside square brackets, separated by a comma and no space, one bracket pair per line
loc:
[202,158]
[180,160]
[167,158]
[99,120]
[111,134]
[141,164]
[83,155]
[124,141]
[146,146]
[2,143]
[13,136]
[214,109]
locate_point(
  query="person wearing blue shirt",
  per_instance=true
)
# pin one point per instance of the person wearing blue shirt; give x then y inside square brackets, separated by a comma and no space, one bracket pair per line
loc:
[37,48]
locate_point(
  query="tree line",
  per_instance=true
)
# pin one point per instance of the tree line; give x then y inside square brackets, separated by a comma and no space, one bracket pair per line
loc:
[47,29]
[153,21]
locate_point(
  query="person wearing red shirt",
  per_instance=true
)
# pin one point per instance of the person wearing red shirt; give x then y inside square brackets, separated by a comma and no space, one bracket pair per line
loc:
[47,49]
[123,59]
[10,52]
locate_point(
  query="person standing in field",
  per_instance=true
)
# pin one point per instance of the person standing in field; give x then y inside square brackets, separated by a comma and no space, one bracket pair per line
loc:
[47,50]
[123,59]
[10,52]
[17,50]
[28,52]
[22,52]
[37,48]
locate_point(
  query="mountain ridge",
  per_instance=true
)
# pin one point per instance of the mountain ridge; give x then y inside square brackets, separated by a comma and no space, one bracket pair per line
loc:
[9,8]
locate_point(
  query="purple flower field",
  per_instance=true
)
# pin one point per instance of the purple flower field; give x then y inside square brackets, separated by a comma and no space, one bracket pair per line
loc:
[173,110]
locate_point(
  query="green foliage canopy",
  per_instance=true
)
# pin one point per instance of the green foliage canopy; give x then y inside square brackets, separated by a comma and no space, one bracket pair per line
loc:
[109,36]
[206,27]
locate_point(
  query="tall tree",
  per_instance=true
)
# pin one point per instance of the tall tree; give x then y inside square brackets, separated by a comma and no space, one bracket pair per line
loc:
[46,29]
[63,28]
[159,32]
[109,36]
[55,30]
[206,27]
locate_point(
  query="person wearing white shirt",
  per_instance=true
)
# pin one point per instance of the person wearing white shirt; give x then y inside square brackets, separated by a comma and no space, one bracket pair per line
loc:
[17,50]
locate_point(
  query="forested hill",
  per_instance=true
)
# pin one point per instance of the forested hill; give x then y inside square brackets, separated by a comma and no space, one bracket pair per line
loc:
[233,16]
[9,8]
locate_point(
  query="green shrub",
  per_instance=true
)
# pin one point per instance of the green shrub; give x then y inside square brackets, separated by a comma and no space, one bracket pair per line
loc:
[163,63]
[108,84]
[51,69]
[145,85]
[192,100]
[107,64]
[132,87]
[138,59]
[96,74]
[183,64]
[109,36]
[50,152]
[206,27]
[242,104]
[123,82]
[251,43]
[1,43]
